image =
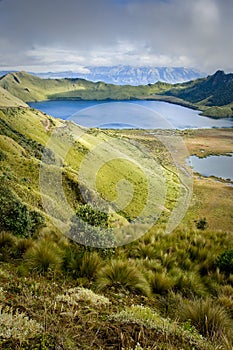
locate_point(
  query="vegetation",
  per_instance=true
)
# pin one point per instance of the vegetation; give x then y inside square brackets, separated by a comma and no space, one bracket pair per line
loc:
[158,292]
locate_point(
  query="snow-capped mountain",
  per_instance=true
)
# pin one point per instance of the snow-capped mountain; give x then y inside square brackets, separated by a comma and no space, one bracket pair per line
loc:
[122,75]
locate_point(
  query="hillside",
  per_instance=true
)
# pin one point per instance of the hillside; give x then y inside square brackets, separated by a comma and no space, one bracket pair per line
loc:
[212,95]
[30,88]
[164,291]
[209,93]
[8,100]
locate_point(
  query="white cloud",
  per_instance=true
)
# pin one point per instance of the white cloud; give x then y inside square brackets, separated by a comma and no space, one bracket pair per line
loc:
[73,34]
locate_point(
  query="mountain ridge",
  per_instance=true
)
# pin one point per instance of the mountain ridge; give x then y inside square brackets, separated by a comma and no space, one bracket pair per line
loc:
[212,95]
[126,74]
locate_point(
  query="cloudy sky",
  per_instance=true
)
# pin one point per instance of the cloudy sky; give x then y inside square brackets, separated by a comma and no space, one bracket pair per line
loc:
[53,35]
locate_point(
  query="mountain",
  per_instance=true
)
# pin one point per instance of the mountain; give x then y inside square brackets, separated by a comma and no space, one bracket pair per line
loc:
[128,75]
[212,95]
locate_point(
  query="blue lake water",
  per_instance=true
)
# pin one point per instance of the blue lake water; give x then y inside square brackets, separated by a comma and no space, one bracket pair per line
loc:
[219,166]
[130,114]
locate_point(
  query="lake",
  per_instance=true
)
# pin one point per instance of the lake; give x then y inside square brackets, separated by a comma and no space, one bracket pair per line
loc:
[219,166]
[130,114]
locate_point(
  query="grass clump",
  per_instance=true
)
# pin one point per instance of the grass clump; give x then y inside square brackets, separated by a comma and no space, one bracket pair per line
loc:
[125,275]
[44,256]
[90,264]
[208,317]
[161,283]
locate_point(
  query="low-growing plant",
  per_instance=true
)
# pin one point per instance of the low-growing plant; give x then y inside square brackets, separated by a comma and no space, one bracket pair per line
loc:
[73,297]
[17,326]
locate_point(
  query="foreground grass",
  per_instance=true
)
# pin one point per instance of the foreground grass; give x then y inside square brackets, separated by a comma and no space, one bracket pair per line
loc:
[176,298]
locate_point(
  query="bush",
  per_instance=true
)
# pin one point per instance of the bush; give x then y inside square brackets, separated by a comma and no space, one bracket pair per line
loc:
[201,224]
[44,256]
[125,275]
[15,216]
[225,261]
[89,227]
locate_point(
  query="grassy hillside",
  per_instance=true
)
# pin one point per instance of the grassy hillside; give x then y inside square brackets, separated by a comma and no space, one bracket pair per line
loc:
[31,88]
[8,100]
[159,292]
[212,95]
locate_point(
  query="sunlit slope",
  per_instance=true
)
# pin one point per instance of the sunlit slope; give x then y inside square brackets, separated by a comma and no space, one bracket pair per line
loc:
[38,152]
[31,88]
[8,100]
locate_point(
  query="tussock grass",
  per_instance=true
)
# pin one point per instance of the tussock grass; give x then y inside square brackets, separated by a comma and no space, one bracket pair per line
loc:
[208,317]
[44,256]
[90,264]
[161,283]
[123,274]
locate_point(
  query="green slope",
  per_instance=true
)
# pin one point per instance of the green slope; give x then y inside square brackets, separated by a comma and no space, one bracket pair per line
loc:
[8,100]
[30,88]
[25,137]
[212,95]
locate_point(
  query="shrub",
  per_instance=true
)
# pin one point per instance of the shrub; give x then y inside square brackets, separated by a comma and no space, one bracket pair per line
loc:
[201,224]
[225,261]
[44,256]
[209,318]
[15,216]
[123,274]
[90,228]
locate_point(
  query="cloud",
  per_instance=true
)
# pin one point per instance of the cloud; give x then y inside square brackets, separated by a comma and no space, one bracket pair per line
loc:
[72,34]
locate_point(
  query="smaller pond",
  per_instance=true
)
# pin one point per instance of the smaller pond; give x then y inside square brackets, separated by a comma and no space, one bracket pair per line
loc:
[219,166]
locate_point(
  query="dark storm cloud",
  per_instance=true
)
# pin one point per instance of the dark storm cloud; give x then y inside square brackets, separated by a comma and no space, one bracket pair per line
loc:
[69,34]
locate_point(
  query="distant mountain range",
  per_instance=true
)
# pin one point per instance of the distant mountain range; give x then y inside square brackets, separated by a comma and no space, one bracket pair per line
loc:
[128,75]
[212,95]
